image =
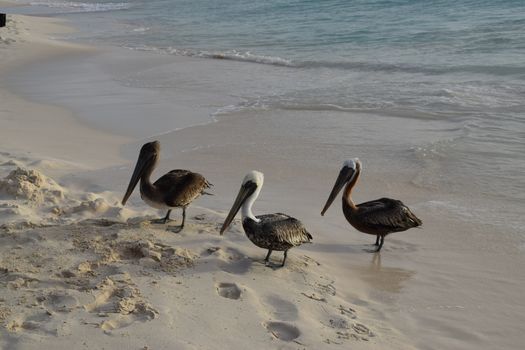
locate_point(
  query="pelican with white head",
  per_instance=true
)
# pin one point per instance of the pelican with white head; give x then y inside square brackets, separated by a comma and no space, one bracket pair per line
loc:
[271,231]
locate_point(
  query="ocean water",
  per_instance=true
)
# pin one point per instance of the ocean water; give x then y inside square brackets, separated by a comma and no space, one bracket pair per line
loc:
[456,69]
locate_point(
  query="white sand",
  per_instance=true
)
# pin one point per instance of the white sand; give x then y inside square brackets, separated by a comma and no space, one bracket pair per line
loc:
[80,271]
[23,126]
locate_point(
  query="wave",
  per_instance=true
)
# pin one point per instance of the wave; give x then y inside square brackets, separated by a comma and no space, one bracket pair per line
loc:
[408,68]
[232,55]
[70,6]
[141,29]
[247,56]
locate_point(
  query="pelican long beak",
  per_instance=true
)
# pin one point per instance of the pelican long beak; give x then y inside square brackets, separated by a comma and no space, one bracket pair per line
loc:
[142,164]
[345,175]
[245,192]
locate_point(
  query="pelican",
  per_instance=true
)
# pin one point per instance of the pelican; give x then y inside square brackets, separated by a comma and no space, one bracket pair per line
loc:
[271,231]
[380,217]
[176,189]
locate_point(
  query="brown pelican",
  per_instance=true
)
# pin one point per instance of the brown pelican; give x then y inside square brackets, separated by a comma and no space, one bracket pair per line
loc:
[176,189]
[271,231]
[380,217]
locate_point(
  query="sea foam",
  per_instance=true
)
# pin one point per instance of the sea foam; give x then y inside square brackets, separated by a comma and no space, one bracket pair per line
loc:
[68,6]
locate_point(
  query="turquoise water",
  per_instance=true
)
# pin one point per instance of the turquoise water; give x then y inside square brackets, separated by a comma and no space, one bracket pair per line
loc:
[413,36]
[434,56]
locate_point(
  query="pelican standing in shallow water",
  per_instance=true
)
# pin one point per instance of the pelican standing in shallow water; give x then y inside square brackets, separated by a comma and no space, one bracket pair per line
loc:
[271,231]
[176,189]
[380,217]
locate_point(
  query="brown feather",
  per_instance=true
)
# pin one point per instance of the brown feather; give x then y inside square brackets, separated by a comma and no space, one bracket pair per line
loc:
[180,187]
[381,216]
[276,231]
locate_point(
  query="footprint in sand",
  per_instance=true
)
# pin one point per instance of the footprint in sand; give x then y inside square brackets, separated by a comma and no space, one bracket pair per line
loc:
[60,301]
[136,311]
[361,329]
[282,331]
[39,322]
[233,261]
[282,309]
[347,311]
[338,323]
[228,290]
[119,299]
[326,289]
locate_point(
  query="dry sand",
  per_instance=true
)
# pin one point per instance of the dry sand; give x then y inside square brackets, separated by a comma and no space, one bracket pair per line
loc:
[79,271]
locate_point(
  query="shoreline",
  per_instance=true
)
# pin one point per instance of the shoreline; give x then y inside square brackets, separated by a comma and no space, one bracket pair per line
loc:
[21,47]
[385,290]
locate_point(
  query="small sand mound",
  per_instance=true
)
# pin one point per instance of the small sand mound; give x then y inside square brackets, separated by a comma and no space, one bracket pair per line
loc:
[137,250]
[29,198]
[153,255]
[98,205]
[5,312]
[32,185]
[175,259]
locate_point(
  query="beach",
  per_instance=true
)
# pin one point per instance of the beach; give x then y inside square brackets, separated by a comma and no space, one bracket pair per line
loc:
[79,269]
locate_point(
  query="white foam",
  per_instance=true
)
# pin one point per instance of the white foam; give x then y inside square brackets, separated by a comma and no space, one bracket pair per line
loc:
[83,7]
[248,57]
[233,55]
[141,29]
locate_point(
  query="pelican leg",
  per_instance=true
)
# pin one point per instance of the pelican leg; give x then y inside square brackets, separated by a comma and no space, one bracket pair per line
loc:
[381,243]
[163,220]
[179,228]
[377,240]
[167,217]
[183,217]
[285,255]
[267,259]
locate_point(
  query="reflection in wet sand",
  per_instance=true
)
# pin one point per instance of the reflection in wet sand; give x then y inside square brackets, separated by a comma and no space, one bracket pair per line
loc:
[386,279]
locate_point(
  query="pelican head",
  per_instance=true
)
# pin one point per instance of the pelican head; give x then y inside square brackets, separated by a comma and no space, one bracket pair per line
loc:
[350,169]
[148,156]
[250,188]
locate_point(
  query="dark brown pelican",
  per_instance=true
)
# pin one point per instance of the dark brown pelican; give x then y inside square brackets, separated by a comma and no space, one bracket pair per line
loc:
[271,231]
[176,189]
[380,217]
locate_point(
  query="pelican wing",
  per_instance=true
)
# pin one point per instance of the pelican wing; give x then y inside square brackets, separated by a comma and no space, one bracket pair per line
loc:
[285,228]
[387,214]
[180,187]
